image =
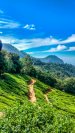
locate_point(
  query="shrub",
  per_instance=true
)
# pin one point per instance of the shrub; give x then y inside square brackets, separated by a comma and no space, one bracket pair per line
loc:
[32,119]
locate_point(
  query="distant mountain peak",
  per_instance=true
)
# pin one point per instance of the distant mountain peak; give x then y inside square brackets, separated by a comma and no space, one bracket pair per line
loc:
[51,56]
[52,59]
[11,49]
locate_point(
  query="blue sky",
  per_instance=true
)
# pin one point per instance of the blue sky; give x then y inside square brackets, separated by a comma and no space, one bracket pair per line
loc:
[40,27]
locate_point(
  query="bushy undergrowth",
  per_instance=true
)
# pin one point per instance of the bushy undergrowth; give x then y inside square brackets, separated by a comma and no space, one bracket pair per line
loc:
[57,116]
[35,119]
[62,101]
[42,87]
[13,90]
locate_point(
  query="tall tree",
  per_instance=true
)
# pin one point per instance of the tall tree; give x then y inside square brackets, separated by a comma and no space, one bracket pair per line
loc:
[16,63]
[26,64]
[0,45]
[2,62]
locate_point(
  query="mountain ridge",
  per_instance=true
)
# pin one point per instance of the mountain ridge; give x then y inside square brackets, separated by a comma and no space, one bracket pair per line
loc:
[52,59]
[10,48]
[49,59]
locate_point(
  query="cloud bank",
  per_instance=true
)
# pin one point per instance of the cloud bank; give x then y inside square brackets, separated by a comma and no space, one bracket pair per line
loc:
[57,49]
[8,24]
[23,44]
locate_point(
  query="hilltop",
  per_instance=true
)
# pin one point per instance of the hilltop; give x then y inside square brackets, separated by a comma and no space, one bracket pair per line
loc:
[11,49]
[52,59]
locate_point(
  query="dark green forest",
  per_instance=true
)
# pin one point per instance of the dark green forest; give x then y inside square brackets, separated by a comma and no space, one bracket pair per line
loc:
[56,75]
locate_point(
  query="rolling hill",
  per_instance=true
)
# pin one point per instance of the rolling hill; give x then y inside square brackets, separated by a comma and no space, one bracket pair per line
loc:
[45,116]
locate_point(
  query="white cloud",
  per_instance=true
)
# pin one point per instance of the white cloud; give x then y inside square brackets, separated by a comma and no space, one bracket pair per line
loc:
[1,32]
[30,27]
[37,42]
[57,49]
[23,44]
[69,39]
[1,12]
[8,39]
[71,49]
[6,23]
[28,43]
[30,53]
[19,44]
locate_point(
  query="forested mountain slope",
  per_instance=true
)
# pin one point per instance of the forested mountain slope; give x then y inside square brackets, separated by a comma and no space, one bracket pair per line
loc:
[57,70]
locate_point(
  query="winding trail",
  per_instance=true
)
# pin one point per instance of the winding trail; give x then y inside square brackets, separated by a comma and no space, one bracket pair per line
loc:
[46,97]
[1,114]
[31,93]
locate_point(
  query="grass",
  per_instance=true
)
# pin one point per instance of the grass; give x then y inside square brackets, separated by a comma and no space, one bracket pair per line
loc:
[13,90]
[42,87]
[58,116]
[62,101]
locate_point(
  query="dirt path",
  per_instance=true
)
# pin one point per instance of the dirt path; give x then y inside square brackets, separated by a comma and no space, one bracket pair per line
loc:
[31,93]
[1,114]
[46,97]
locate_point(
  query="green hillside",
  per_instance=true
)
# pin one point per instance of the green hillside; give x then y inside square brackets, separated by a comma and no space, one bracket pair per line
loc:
[13,90]
[22,116]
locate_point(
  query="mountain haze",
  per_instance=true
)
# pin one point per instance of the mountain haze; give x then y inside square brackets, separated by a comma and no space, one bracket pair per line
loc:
[9,48]
[52,59]
[49,59]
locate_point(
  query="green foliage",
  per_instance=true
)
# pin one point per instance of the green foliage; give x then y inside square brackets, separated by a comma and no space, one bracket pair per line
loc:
[28,68]
[61,71]
[35,119]
[13,90]
[5,62]
[21,116]
[16,67]
[0,45]
[42,87]
[67,85]
[62,101]
[9,62]
[26,65]
[2,62]
[57,116]
[47,79]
